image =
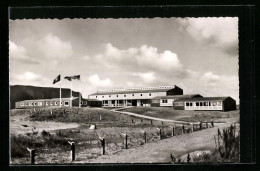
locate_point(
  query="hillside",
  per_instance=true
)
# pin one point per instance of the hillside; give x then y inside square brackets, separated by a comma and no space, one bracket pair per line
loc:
[21,92]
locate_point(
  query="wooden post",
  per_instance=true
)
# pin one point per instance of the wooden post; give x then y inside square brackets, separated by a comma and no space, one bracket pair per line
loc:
[141,121]
[100,117]
[173,130]
[200,125]
[192,127]
[151,122]
[183,129]
[132,120]
[207,124]
[72,152]
[125,135]
[162,122]
[103,145]
[32,155]
[160,133]
[212,123]
[144,136]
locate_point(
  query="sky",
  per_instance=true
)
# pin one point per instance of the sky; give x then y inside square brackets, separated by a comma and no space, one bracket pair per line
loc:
[200,55]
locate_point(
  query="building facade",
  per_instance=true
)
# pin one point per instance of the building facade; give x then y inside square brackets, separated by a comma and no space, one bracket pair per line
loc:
[55,102]
[133,96]
[167,101]
[205,103]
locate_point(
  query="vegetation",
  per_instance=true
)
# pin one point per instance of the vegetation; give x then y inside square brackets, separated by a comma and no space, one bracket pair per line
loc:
[227,147]
[182,115]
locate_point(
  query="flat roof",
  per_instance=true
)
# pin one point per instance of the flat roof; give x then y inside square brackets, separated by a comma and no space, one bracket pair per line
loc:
[131,91]
[202,99]
[73,98]
[177,96]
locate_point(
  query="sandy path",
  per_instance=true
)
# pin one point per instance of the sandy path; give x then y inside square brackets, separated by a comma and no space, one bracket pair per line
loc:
[159,152]
[150,117]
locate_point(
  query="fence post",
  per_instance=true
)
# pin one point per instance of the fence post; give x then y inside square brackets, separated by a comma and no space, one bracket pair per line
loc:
[141,120]
[212,123]
[151,122]
[200,125]
[32,155]
[160,133]
[183,129]
[207,124]
[100,117]
[173,130]
[162,122]
[72,152]
[103,145]
[125,135]
[132,120]
[144,136]
[192,127]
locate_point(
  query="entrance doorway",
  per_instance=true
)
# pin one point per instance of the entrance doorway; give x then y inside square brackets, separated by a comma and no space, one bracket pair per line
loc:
[134,102]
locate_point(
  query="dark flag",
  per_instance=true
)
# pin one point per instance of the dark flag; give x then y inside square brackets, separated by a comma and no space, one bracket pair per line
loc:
[67,78]
[57,79]
[76,77]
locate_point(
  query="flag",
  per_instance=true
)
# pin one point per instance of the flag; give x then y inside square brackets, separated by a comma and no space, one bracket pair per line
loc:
[57,79]
[76,77]
[67,78]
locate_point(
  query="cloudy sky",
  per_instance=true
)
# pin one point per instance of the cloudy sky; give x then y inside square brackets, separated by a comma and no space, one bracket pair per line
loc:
[199,55]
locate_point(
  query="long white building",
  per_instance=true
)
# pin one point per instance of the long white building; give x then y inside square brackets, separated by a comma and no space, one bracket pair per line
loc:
[133,96]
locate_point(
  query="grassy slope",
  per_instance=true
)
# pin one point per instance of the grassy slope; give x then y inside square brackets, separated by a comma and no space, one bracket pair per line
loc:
[169,113]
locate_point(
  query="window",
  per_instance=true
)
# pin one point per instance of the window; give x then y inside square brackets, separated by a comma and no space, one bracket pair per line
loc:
[124,95]
[96,96]
[116,95]
[81,103]
[61,103]
[51,103]
[35,103]
[164,101]
[141,94]
[156,101]
[219,103]
[150,94]
[109,96]
[133,94]
[47,103]
[191,104]
[39,103]
[187,104]
[102,96]
[201,104]
[56,103]
[206,103]
[26,104]
[197,103]
[214,103]
[66,103]
[21,104]
[30,103]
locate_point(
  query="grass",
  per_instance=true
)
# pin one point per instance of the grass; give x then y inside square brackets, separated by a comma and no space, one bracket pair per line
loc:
[182,115]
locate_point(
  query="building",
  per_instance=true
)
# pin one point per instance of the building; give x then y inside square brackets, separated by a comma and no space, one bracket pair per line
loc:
[133,96]
[167,101]
[54,102]
[205,103]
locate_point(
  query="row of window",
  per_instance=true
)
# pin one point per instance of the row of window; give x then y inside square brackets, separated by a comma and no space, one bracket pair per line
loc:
[204,104]
[66,103]
[150,94]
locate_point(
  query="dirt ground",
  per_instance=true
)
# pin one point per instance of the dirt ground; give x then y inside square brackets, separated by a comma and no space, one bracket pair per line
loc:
[20,124]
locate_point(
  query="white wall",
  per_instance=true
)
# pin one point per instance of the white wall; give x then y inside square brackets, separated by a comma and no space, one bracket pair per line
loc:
[128,96]
[169,102]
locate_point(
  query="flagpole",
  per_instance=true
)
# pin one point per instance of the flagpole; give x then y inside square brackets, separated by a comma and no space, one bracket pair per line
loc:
[80,93]
[71,93]
[60,92]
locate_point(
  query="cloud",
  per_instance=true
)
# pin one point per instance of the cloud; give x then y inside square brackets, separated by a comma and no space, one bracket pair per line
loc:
[94,80]
[147,77]
[142,58]
[53,47]
[19,53]
[220,32]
